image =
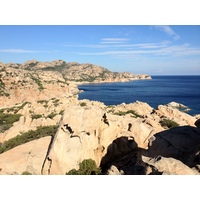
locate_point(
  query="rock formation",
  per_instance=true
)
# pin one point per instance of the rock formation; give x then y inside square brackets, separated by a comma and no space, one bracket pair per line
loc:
[130,139]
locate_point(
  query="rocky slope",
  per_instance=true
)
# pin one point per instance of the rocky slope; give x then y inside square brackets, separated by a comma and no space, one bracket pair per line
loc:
[122,139]
[35,80]
[45,129]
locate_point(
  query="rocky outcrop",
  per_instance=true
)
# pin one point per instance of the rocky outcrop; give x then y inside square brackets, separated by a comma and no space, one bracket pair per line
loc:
[181,143]
[176,115]
[116,146]
[28,157]
[169,166]
[87,133]
[33,115]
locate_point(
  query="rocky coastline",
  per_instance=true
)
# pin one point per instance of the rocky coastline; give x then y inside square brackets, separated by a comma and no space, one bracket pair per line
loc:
[46,130]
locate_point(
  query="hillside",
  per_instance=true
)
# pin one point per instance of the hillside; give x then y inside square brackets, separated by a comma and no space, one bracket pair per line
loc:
[33,80]
[73,71]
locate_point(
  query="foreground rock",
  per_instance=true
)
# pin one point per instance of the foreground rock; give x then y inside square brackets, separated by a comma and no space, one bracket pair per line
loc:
[118,138]
[28,157]
[169,166]
[181,143]
[88,132]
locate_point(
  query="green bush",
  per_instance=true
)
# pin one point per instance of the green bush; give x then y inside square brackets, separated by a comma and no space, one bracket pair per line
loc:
[86,167]
[36,116]
[73,172]
[134,113]
[26,173]
[40,132]
[52,115]
[83,104]
[167,123]
[7,120]
[61,112]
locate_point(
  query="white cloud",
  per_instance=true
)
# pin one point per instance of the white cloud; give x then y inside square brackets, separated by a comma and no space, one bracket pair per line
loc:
[141,49]
[168,31]
[20,51]
[120,45]
[114,40]
[16,51]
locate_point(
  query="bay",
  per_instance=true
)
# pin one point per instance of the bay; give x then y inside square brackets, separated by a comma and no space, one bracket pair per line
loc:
[160,90]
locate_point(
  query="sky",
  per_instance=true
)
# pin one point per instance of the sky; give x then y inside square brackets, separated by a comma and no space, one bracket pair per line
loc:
[150,49]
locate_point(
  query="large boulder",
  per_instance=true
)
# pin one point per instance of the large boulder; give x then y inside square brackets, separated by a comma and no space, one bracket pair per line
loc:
[181,143]
[169,166]
[87,132]
[176,115]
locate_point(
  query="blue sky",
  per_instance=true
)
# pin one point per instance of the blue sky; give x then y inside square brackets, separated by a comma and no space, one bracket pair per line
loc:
[155,50]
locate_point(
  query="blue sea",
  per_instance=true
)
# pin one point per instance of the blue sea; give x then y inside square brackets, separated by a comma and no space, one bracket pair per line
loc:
[160,90]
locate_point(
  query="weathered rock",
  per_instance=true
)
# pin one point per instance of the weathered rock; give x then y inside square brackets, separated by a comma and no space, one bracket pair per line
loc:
[169,166]
[174,114]
[181,143]
[27,157]
[87,132]
[114,171]
[178,106]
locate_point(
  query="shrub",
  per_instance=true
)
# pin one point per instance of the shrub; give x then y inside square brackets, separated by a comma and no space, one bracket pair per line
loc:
[121,113]
[73,172]
[83,104]
[167,123]
[86,167]
[7,120]
[36,116]
[52,115]
[38,82]
[40,132]
[26,173]
[61,112]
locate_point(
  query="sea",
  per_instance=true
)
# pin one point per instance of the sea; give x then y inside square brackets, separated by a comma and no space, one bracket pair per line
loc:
[159,90]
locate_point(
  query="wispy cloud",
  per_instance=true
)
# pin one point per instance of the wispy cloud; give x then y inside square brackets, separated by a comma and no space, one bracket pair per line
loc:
[168,30]
[114,40]
[120,45]
[174,50]
[20,51]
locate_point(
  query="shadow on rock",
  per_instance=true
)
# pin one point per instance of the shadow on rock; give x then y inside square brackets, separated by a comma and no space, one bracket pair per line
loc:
[181,143]
[123,154]
[173,151]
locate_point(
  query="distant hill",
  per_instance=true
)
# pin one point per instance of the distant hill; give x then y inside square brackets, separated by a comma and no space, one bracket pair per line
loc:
[35,80]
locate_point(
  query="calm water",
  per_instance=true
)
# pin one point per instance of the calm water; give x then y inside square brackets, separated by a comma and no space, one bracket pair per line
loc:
[158,91]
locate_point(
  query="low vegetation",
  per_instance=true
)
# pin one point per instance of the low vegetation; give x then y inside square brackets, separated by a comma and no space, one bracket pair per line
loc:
[167,123]
[38,82]
[7,120]
[51,116]
[36,116]
[86,167]
[82,104]
[40,132]
[134,113]
[26,173]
